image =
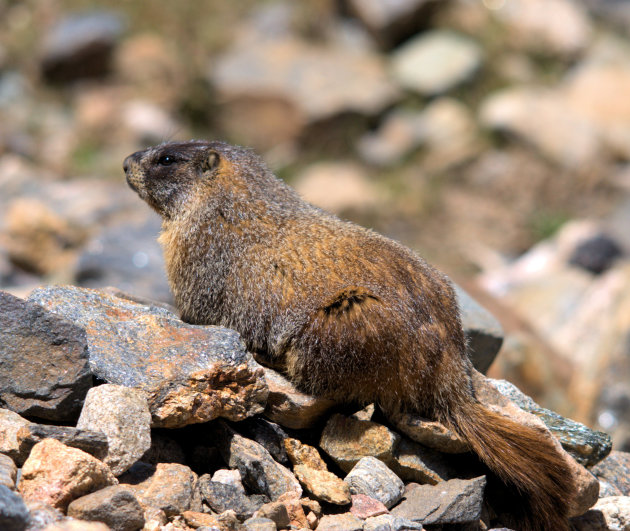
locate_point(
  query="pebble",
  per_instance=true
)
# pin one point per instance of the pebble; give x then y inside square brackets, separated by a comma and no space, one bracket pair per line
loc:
[365,507]
[57,474]
[388,522]
[260,524]
[8,471]
[122,413]
[340,522]
[191,373]
[276,512]
[596,254]
[10,425]
[222,497]
[45,370]
[115,506]
[268,434]
[14,515]
[371,477]
[415,462]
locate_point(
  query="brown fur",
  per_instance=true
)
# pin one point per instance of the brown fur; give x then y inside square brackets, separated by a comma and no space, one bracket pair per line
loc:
[351,314]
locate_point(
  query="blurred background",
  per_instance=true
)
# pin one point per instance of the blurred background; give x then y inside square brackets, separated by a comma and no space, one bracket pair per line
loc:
[492,136]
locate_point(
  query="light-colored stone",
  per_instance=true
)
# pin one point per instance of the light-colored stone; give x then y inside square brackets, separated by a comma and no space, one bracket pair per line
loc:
[57,474]
[340,522]
[10,424]
[429,433]
[608,514]
[373,478]
[323,485]
[171,488]
[8,471]
[122,413]
[365,507]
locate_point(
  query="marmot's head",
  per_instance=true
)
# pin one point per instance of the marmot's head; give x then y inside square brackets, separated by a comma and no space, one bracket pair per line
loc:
[170,175]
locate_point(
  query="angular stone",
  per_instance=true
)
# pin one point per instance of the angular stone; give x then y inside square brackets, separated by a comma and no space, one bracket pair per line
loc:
[77,525]
[608,514]
[323,485]
[456,501]
[191,373]
[10,425]
[435,62]
[225,497]
[57,474]
[429,433]
[14,515]
[260,524]
[304,454]
[91,442]
[340,522]
[615,470]
[45,369]
[373,478]
[414,462]
[42,515]
[295,509]
[289,407]
[365,507]
[122,413]
[389,522]
[275,511]
[347,440]
[115,506]
[170,488]
[8,472]
[196,520]
[585,445]
[260,472]
[268,434]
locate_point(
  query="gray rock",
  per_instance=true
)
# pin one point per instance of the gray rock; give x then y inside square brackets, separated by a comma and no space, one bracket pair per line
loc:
[121,413]
[80,46]
[42,515]
[588,447]
[340,522]
[483,331]
[225,497]
[415,462]
[259,524]
[191,373]
[392,21]
[260,472]
[389,522]
[128,256]
[44,369]
[115,506]
[608,514]
[615,470]
[374,479]
[14,515]
[435,62]
[92,442]
[596,254]
[268,434]
[430,433]
[456,501]
[8,472]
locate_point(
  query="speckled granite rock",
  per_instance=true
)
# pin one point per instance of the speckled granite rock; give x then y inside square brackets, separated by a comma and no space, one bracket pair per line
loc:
[191,373]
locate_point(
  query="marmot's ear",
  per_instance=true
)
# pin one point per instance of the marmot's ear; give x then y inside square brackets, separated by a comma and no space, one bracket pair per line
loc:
[210,162]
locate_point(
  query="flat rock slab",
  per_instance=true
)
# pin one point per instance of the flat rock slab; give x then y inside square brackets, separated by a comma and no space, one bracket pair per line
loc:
[456,501]
[44,371]
[191,373]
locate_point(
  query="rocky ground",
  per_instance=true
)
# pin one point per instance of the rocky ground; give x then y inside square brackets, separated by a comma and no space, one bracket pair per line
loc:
[490,135]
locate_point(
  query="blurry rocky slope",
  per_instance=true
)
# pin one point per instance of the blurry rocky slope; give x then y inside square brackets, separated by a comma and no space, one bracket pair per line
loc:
[469,130]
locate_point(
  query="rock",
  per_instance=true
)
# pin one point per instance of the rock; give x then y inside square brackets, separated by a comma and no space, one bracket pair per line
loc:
[260,524]
[435,61]
[588,447]
[80,46]
[563,136]
[429,433]
[45,369]
[260,473]
[76,525]
[550,27]
[303,454]
[390,22]
[415,462]
[8,472]
[10,425]
[115,506]
[615,470]
[14,515]
[57,474]
[340,522]
[268,434]
[293,84]
[42,515]
[347,440]
[289,407]
[296,508]
[608,514]
[456,501]
[365,507]
[373,478]
[483,332]
[323,485]
[164,449]
[148,122]
[91,442]
[195,520]
[596,254]
[170,488]
[337,186]
[276,512]
[229,496]
[123,415]
[388,522]
[191,373]
[128,256]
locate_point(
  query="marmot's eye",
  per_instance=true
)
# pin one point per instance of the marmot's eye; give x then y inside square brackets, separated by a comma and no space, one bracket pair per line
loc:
[166,160]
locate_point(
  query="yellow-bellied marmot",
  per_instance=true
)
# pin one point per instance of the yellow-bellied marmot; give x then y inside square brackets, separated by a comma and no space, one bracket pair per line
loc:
[351,314]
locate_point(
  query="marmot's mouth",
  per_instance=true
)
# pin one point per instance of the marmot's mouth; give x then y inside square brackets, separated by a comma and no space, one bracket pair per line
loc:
[131,182]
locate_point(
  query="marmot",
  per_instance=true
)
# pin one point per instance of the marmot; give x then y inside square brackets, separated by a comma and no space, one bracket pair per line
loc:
[350,314]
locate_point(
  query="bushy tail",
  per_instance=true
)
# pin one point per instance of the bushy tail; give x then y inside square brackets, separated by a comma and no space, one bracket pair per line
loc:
[524,459]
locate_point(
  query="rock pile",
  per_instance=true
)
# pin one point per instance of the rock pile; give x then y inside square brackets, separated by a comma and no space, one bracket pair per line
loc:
[243,448]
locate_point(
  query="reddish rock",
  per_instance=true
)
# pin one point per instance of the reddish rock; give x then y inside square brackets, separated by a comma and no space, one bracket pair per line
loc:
[365,507]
